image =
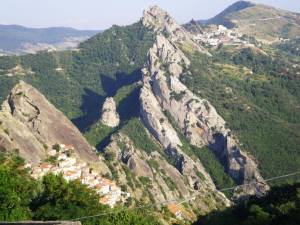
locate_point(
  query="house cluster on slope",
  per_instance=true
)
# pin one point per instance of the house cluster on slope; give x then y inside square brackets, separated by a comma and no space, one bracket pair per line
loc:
[218,34]
[61,160]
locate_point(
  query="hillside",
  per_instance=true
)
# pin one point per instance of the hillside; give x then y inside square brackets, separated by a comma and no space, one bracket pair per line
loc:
[222,17]
[263,22]
[15,39]
[175,113]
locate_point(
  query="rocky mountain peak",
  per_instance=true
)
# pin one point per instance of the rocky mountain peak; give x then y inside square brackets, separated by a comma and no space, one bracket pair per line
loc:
[159,20]
[162,23]
[197,118]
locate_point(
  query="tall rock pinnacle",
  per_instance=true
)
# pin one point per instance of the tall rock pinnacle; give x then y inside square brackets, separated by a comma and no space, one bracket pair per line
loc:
[109,116]
[161,22]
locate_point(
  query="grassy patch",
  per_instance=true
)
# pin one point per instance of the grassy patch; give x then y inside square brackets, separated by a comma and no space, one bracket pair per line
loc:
[97,133]
[135,130]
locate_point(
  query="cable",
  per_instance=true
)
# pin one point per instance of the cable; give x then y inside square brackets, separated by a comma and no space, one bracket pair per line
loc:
[183,200]
[254,182]
[127,209]
[282,176]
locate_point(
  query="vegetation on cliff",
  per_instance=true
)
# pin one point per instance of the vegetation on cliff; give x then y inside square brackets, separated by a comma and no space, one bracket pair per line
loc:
[258,96]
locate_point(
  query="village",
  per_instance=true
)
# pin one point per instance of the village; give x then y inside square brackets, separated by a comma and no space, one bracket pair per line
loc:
[218,34]
[61,160]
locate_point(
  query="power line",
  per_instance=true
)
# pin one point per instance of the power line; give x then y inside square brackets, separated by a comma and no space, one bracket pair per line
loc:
[183,200]
[269,179]
[282,176]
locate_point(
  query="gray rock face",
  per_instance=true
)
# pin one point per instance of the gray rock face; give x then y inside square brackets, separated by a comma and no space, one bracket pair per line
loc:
[157,123]
[155,119]
[15,135]
[31,124]
[109,115]
[167,183]
[196,117]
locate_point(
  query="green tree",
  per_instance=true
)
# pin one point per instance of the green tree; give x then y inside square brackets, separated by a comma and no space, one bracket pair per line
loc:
[60,199]
[258,216]
[16,191]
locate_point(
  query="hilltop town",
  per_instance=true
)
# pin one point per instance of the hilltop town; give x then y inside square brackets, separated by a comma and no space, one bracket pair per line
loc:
[218,34]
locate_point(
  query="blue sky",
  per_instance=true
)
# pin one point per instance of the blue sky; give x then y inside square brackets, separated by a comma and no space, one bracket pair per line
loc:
[101,14]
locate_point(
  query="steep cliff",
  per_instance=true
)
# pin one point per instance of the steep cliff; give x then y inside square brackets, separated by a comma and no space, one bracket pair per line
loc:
[161,22]
[150,176]
[197,118]
[31,124]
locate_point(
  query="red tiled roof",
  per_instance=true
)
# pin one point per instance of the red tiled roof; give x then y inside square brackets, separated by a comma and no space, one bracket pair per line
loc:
[69,173]
[69,147]
[173,208]
[105,181]
[104,200]
[45,165]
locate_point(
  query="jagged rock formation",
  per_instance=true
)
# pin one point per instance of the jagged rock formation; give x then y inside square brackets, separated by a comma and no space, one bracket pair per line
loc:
[161,22]
[168,167]
[165,53]
[193,27]
[109,115]
[196,117]
[152,177]
[31,124]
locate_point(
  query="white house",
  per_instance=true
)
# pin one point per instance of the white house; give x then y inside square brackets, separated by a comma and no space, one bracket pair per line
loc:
[72,175]
[67,162]
[52,153]
[62,157]
[102,189]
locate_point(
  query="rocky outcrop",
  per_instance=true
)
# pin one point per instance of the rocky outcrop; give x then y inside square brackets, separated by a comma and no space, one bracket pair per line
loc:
[196,117]
[109,115]
[165,182]
[31,124]
[194,27]
[156,121]
[161,22]
[165,55]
